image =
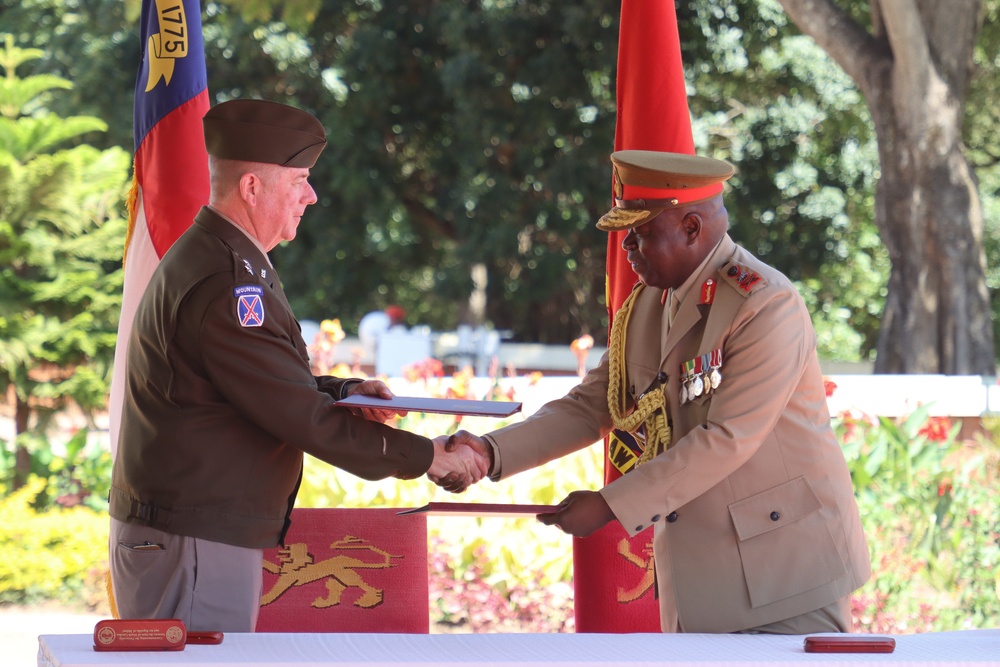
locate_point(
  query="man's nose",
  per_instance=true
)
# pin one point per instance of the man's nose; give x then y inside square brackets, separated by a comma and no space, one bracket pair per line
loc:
[629,240]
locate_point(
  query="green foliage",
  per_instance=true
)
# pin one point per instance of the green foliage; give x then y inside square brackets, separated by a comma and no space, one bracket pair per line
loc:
[774,103]
[481,138]
[61,235]
[983,144]
[77,472]
[56,554]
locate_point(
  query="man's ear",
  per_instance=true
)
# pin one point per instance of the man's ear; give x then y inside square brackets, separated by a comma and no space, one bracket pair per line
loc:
[693,226]
[250,188]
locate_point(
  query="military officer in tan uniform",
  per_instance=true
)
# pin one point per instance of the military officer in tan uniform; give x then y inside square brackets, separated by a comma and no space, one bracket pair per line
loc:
[220,403]
[712,365]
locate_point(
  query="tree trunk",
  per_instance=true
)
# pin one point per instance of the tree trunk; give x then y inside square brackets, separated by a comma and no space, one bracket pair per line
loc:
[914,72]
[22,457]
[937,312]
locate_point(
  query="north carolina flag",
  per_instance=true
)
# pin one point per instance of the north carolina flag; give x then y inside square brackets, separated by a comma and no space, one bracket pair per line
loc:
[170,175]
[615,589]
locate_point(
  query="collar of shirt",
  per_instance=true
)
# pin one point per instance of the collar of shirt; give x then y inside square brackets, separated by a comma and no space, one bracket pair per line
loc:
[675,297]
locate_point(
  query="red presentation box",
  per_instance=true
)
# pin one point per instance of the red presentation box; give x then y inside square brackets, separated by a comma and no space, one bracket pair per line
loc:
[140,635]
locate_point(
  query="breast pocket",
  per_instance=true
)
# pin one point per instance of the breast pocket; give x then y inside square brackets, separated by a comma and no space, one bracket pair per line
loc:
[785,543]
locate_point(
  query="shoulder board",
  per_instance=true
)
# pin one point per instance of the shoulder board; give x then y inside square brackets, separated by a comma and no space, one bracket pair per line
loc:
[741,278]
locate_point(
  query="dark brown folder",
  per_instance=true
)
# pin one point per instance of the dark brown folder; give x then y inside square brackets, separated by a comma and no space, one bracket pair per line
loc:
[480,509]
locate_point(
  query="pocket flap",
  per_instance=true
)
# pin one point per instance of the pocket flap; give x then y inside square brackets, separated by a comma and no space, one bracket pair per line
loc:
[774,508]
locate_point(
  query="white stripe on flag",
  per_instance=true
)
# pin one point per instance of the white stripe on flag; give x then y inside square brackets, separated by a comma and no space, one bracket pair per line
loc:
[141,260]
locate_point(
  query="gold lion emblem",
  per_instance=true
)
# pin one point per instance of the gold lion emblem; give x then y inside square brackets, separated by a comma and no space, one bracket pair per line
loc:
[297,567]
[644,564]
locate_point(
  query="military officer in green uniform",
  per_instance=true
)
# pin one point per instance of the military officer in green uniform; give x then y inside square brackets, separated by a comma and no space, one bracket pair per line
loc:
[220,403]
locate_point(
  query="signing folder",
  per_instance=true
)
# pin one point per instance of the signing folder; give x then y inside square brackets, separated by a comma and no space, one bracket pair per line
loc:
[447,406]
[480,509]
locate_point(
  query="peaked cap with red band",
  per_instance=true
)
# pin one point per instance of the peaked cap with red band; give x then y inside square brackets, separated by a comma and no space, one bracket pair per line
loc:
[647,182]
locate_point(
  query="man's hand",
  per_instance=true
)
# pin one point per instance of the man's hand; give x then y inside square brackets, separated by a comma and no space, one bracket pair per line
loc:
[478,445]
[374,388]
[456,467]
[580,513]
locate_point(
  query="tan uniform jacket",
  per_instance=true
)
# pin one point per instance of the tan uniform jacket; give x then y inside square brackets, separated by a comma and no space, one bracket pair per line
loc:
[752,505]
[220,403]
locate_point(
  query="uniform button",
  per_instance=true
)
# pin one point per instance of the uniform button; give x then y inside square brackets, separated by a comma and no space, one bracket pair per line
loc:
[661,377]
[733,270]
[672,517]
[638,528]
[775,516]
[656,517]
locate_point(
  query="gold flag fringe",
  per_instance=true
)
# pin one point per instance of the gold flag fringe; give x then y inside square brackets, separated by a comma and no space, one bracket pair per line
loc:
[111,596]
[131,204]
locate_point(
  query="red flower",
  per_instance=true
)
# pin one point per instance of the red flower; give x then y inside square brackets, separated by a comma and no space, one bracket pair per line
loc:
[830,386]
[936,429]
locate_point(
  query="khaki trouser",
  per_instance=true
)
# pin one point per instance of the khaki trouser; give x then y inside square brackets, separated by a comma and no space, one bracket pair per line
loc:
[209,585]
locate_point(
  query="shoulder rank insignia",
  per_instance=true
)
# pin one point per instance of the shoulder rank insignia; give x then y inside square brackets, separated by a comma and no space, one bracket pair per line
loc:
[741,277]
[249,305]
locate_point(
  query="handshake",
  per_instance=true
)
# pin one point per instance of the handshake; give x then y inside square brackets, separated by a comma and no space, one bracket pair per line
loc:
[463,459]
[460,461]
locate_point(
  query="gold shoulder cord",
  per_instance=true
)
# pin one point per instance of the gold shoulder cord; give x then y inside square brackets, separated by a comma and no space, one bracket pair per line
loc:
[651,409]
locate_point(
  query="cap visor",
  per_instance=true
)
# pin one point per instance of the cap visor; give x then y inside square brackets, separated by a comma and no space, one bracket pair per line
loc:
[620,218]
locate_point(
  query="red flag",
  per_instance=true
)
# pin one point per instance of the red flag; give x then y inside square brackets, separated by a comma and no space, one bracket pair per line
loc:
[613,573]
[170,175]
[652,115]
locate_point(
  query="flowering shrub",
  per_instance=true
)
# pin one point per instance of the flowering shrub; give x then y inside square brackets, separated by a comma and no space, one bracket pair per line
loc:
[52,554]
[930,505]
[469,597]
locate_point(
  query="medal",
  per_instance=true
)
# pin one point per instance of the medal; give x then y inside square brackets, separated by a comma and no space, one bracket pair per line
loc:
[687,373]
[698,386]
[715,377]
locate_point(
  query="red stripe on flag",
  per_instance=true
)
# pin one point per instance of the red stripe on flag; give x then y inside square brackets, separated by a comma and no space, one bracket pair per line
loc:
[172,168]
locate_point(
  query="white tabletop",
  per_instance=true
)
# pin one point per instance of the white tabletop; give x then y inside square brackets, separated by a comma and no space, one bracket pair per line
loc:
[971,647]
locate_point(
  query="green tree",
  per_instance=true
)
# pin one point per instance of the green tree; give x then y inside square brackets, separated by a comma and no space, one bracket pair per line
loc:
[460,164]
[771,101]
[913,62]
[469,141]
[61,237]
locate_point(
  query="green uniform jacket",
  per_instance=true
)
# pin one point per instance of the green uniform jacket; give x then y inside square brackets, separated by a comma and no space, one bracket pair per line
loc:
[752,507]
[220,402]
